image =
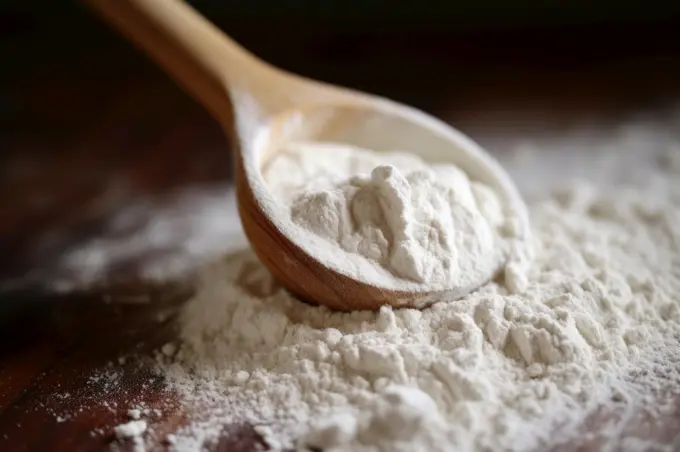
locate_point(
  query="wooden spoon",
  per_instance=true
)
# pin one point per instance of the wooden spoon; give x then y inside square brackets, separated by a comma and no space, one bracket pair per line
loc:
[268,108]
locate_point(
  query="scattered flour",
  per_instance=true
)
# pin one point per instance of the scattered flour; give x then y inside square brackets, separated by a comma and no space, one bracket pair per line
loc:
[582,346]
[592,326]
[391,219]
[173,235]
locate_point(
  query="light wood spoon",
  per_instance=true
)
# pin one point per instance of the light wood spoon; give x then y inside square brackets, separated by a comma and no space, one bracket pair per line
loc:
[267,108]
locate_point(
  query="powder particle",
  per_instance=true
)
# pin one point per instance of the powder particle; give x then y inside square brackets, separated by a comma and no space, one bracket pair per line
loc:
[592,324]
[131,429]
[268,437]
[168,349]
[399,221]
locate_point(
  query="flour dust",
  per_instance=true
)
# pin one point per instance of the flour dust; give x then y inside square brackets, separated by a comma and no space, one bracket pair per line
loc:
[577,347]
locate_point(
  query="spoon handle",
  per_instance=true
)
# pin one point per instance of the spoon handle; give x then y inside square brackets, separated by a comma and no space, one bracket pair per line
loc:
[189,47]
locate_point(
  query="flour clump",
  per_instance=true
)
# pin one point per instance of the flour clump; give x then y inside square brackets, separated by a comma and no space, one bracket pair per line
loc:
[411,222]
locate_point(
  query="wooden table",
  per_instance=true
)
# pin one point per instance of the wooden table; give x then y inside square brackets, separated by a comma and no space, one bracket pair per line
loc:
[92,132]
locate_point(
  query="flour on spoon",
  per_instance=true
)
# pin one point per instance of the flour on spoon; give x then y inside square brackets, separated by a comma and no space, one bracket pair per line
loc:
[391,219]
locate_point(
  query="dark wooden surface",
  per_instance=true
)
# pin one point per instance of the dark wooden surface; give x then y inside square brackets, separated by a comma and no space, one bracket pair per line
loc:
[90,132]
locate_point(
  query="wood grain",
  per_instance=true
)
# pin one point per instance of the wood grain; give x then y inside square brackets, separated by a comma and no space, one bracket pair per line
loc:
[129,132]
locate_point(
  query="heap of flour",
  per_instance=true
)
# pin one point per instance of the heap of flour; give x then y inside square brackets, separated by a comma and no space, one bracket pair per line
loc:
[389,218]
[591,340]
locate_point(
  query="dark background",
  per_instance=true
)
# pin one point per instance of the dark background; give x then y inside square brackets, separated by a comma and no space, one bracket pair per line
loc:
[81,110]
[413,51]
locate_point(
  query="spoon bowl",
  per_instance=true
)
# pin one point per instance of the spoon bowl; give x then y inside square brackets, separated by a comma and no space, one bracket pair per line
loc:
[372,123]
[267,109]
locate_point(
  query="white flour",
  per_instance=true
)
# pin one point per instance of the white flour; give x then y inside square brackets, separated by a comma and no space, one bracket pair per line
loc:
[425,224]
[596,325]
[587,349]
[172,237]
[132,431]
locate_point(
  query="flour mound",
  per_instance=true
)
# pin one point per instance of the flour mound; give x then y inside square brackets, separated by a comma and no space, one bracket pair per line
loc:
[493,371]
[402,419]
[419,226]
[427,225]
